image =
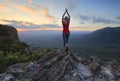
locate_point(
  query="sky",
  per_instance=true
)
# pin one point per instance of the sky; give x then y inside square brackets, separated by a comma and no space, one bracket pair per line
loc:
[86,15]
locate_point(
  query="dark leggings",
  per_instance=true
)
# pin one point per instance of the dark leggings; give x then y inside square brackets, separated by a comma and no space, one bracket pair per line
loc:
[65,38]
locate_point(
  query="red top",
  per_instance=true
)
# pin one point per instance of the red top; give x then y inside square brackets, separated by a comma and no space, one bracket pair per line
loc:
[65,26]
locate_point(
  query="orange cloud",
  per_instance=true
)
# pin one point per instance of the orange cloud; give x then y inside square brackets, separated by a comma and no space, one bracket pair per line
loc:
[25,23]
[2,6]
[20,30]
[37,29]
[30,1]
[28,9]
[46,14]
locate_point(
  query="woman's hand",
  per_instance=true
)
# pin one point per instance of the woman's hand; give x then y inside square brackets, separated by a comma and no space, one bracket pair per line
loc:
[66,10]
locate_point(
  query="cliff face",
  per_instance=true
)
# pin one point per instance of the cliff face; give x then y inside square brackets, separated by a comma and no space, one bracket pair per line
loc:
[9,37]
[9,32]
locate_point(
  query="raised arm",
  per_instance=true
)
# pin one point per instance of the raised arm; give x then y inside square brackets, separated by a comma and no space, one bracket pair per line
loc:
[63,15]
[68,14]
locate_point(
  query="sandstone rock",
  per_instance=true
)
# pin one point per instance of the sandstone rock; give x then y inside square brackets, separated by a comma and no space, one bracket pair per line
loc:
[56,66]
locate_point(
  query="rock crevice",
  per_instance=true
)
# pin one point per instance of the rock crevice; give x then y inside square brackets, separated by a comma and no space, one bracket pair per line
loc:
[63,67]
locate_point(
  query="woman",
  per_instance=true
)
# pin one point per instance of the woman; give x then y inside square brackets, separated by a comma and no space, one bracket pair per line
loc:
[66,32]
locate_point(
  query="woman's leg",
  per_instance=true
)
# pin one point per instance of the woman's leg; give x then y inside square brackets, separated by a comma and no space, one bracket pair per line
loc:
[67,38]
[64,39]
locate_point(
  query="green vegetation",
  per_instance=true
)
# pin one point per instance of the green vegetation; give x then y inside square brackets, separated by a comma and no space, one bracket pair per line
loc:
[101,52]
[13,51]
[21,56]
[9,40]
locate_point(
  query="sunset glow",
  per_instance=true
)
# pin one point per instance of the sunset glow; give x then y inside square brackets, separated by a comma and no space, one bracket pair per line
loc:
[86,15]
[21,30]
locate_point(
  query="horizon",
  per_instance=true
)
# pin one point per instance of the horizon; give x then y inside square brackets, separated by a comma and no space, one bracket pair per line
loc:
[86,15]
[70,39]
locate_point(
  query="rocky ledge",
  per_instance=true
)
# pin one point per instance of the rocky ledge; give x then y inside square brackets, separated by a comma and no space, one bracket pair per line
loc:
[56,66]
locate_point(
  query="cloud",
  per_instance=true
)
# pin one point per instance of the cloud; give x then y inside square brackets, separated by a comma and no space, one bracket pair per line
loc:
[118,17]
[97,19]
[44,10]
[29,25]
[28,9]
[72,4]
[2,6]
[50,25]
[18,24]
[84,18]
[46,13]
[82,23]
[30,1]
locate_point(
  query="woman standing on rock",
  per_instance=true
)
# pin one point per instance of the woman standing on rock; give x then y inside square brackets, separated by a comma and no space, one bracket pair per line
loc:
[66,32]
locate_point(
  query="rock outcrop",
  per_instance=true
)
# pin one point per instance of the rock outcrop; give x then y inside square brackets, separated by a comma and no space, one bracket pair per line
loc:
[9,38]
[9,32]
[56,66]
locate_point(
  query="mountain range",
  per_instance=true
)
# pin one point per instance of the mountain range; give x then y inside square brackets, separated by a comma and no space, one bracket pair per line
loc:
[107,35]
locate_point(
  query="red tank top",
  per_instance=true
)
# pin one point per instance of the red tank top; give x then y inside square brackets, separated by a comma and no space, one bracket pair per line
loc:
[65,27]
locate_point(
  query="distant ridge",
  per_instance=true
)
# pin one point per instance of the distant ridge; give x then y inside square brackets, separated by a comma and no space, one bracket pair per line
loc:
[107,35]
